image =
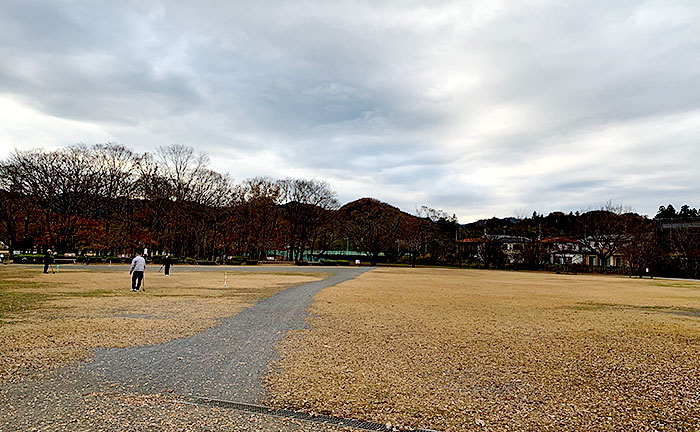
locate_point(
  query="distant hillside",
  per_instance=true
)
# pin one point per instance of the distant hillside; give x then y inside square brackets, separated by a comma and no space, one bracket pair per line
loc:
[493,220]
[370,205]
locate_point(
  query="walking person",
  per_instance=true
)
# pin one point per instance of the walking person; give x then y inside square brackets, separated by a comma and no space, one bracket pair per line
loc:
[167,261]
[47,260]
[138,266]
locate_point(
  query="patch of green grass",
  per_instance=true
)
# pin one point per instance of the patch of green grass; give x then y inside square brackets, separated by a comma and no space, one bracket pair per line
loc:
[12,302]
[678,284]
[94,293]
[653,308]
[595,306]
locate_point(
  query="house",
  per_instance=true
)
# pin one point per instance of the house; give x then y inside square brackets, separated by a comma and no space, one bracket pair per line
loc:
[493,249]
[563,250]
[512,246]
[617,260]
[469,248]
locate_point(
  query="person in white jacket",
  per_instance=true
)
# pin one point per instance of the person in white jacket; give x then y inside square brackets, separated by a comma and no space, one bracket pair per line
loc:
[138,266]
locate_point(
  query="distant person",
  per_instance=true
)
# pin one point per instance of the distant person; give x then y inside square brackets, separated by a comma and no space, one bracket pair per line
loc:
[167,261]
[47,260]
[138,266]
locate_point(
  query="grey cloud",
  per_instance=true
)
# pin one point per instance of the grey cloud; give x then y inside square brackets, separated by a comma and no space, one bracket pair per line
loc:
[598,66]
[390,96]
[86,63]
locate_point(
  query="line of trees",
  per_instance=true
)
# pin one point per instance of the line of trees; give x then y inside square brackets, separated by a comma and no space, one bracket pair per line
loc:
[108,200]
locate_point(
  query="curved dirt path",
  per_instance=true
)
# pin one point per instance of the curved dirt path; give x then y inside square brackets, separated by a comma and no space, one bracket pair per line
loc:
[223,362]
[136,385]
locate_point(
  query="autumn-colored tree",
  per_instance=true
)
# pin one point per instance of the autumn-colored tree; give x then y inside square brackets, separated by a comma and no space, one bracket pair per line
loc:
[413,235]
[64,183]
[18,227]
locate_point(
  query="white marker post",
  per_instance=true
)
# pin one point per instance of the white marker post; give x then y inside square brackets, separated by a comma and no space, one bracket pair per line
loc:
[225,277]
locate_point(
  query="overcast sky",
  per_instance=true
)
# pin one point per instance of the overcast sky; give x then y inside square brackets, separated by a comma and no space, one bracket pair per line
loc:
[480,108]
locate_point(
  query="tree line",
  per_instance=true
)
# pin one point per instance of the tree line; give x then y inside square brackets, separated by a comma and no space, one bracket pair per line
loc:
[108,200]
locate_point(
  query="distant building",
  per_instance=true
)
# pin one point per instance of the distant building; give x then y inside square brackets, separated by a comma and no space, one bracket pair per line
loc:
[563,250]
[492,249]
[469,247]
[617,260]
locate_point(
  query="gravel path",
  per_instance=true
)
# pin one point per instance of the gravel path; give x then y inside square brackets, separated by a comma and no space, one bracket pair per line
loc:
[224,362]
[79,401]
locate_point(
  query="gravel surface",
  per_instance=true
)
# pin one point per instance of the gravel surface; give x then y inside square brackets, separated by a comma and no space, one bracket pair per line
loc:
[78,400]
[135,388]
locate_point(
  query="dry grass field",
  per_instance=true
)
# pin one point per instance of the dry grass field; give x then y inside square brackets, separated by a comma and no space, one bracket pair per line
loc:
[488,350]
[47,320]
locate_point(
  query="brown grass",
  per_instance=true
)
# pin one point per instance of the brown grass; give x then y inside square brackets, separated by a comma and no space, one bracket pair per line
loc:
[49,319]
[474,350]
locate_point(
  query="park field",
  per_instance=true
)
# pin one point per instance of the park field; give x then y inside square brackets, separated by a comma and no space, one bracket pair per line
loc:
[48,320]
[489,350]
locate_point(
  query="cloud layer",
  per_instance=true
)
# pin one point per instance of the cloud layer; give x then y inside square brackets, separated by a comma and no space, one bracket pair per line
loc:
[481,109]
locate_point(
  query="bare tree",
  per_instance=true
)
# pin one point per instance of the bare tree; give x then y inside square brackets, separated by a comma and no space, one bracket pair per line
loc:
[442,232]
[306,203]
[256,217]
[684,242]
[327,233]
[490,252]
[604,232]
[185,220]
[118,175]
[183,168]
[641,247]
[532,255]
[214,196]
